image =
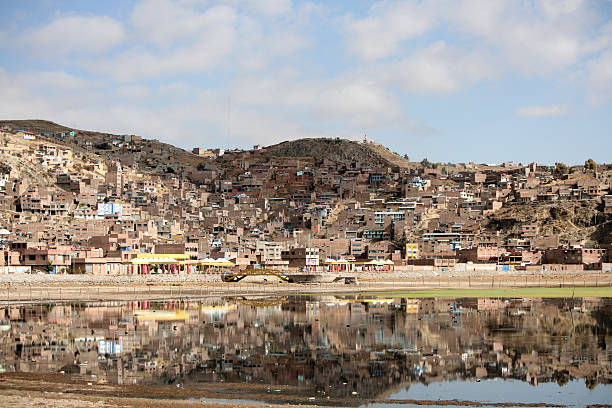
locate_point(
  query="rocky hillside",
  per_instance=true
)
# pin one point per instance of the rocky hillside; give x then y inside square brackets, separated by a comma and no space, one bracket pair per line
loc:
[340,150]
[156,152]
[572,220]
[153,152]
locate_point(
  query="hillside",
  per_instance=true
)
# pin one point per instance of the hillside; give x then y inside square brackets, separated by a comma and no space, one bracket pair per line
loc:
[340,150]
[29,168]
[150,153]
[265,171]
[35,125]
[572,220]
[154,152]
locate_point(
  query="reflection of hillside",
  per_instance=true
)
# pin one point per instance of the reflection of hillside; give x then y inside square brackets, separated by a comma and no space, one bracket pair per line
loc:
[338,347]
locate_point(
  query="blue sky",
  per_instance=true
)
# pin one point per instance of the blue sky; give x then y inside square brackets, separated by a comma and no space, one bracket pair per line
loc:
[450,80]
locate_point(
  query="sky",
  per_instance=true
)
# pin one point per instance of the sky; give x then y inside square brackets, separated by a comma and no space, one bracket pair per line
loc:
[487,81]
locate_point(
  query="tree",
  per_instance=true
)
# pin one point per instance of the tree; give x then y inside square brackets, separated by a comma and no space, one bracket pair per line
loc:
[560,169]
[590,164]
[103,146]
[48,267]
[406,157]
[201,167]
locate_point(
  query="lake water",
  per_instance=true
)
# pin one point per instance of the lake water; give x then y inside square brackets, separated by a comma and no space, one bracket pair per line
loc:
[338,350]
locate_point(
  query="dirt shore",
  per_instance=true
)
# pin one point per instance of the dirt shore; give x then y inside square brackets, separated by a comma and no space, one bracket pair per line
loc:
[34,288]
[64,391]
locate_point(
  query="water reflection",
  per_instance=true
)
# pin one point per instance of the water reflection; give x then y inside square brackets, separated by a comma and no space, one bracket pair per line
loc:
[341,347]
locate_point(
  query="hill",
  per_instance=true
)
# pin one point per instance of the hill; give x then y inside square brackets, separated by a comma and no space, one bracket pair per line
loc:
[36,126]
[572,220]
[148,153]
[156,152]
[340,150]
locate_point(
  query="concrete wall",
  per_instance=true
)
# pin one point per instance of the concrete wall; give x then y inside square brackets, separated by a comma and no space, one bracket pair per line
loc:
[15,269]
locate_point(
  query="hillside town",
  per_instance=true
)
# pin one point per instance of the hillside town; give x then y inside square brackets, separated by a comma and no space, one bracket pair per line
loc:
[76,202]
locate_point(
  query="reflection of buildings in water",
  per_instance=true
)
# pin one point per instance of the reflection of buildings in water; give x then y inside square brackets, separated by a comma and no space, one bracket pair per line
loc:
[339,345]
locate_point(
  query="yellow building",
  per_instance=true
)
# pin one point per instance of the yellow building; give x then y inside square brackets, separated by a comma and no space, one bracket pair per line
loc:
[412,251]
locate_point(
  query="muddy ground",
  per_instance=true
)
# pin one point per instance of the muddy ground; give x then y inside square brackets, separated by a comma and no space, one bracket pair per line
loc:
[64,391]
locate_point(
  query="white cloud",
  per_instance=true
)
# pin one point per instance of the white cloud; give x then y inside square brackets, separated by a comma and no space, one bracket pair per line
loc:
[55,81]
[176,70]
[535,38]
[23,97]
[554,8]
[74,34]
[389,24]
[599,79]
[176,38]
[271,7]
[213,40]
[284,43]
[166,22]
[176,113]
[352,102]
[133,92]
[356,103]
[438,68]
[542,111]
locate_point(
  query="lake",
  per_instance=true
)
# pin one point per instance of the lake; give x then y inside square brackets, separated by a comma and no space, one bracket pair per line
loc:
[329,350]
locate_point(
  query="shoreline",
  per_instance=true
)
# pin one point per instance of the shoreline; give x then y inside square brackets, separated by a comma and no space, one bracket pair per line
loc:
[66,391]
[24,289]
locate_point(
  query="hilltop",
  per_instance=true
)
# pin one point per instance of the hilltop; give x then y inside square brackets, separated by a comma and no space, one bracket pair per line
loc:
[316,149]
[147,153]
[158,157]
[340,150]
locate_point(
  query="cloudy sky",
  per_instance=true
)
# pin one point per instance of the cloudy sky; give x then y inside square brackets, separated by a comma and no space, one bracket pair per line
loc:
[450,80]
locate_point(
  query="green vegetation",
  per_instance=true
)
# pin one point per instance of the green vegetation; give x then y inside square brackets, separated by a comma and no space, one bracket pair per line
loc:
[566,292]
[560,169]
[590,164]
[103,146]
[48,268]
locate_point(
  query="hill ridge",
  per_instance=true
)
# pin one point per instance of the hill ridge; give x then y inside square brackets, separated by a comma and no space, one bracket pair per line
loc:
[337,149]
[318,148]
